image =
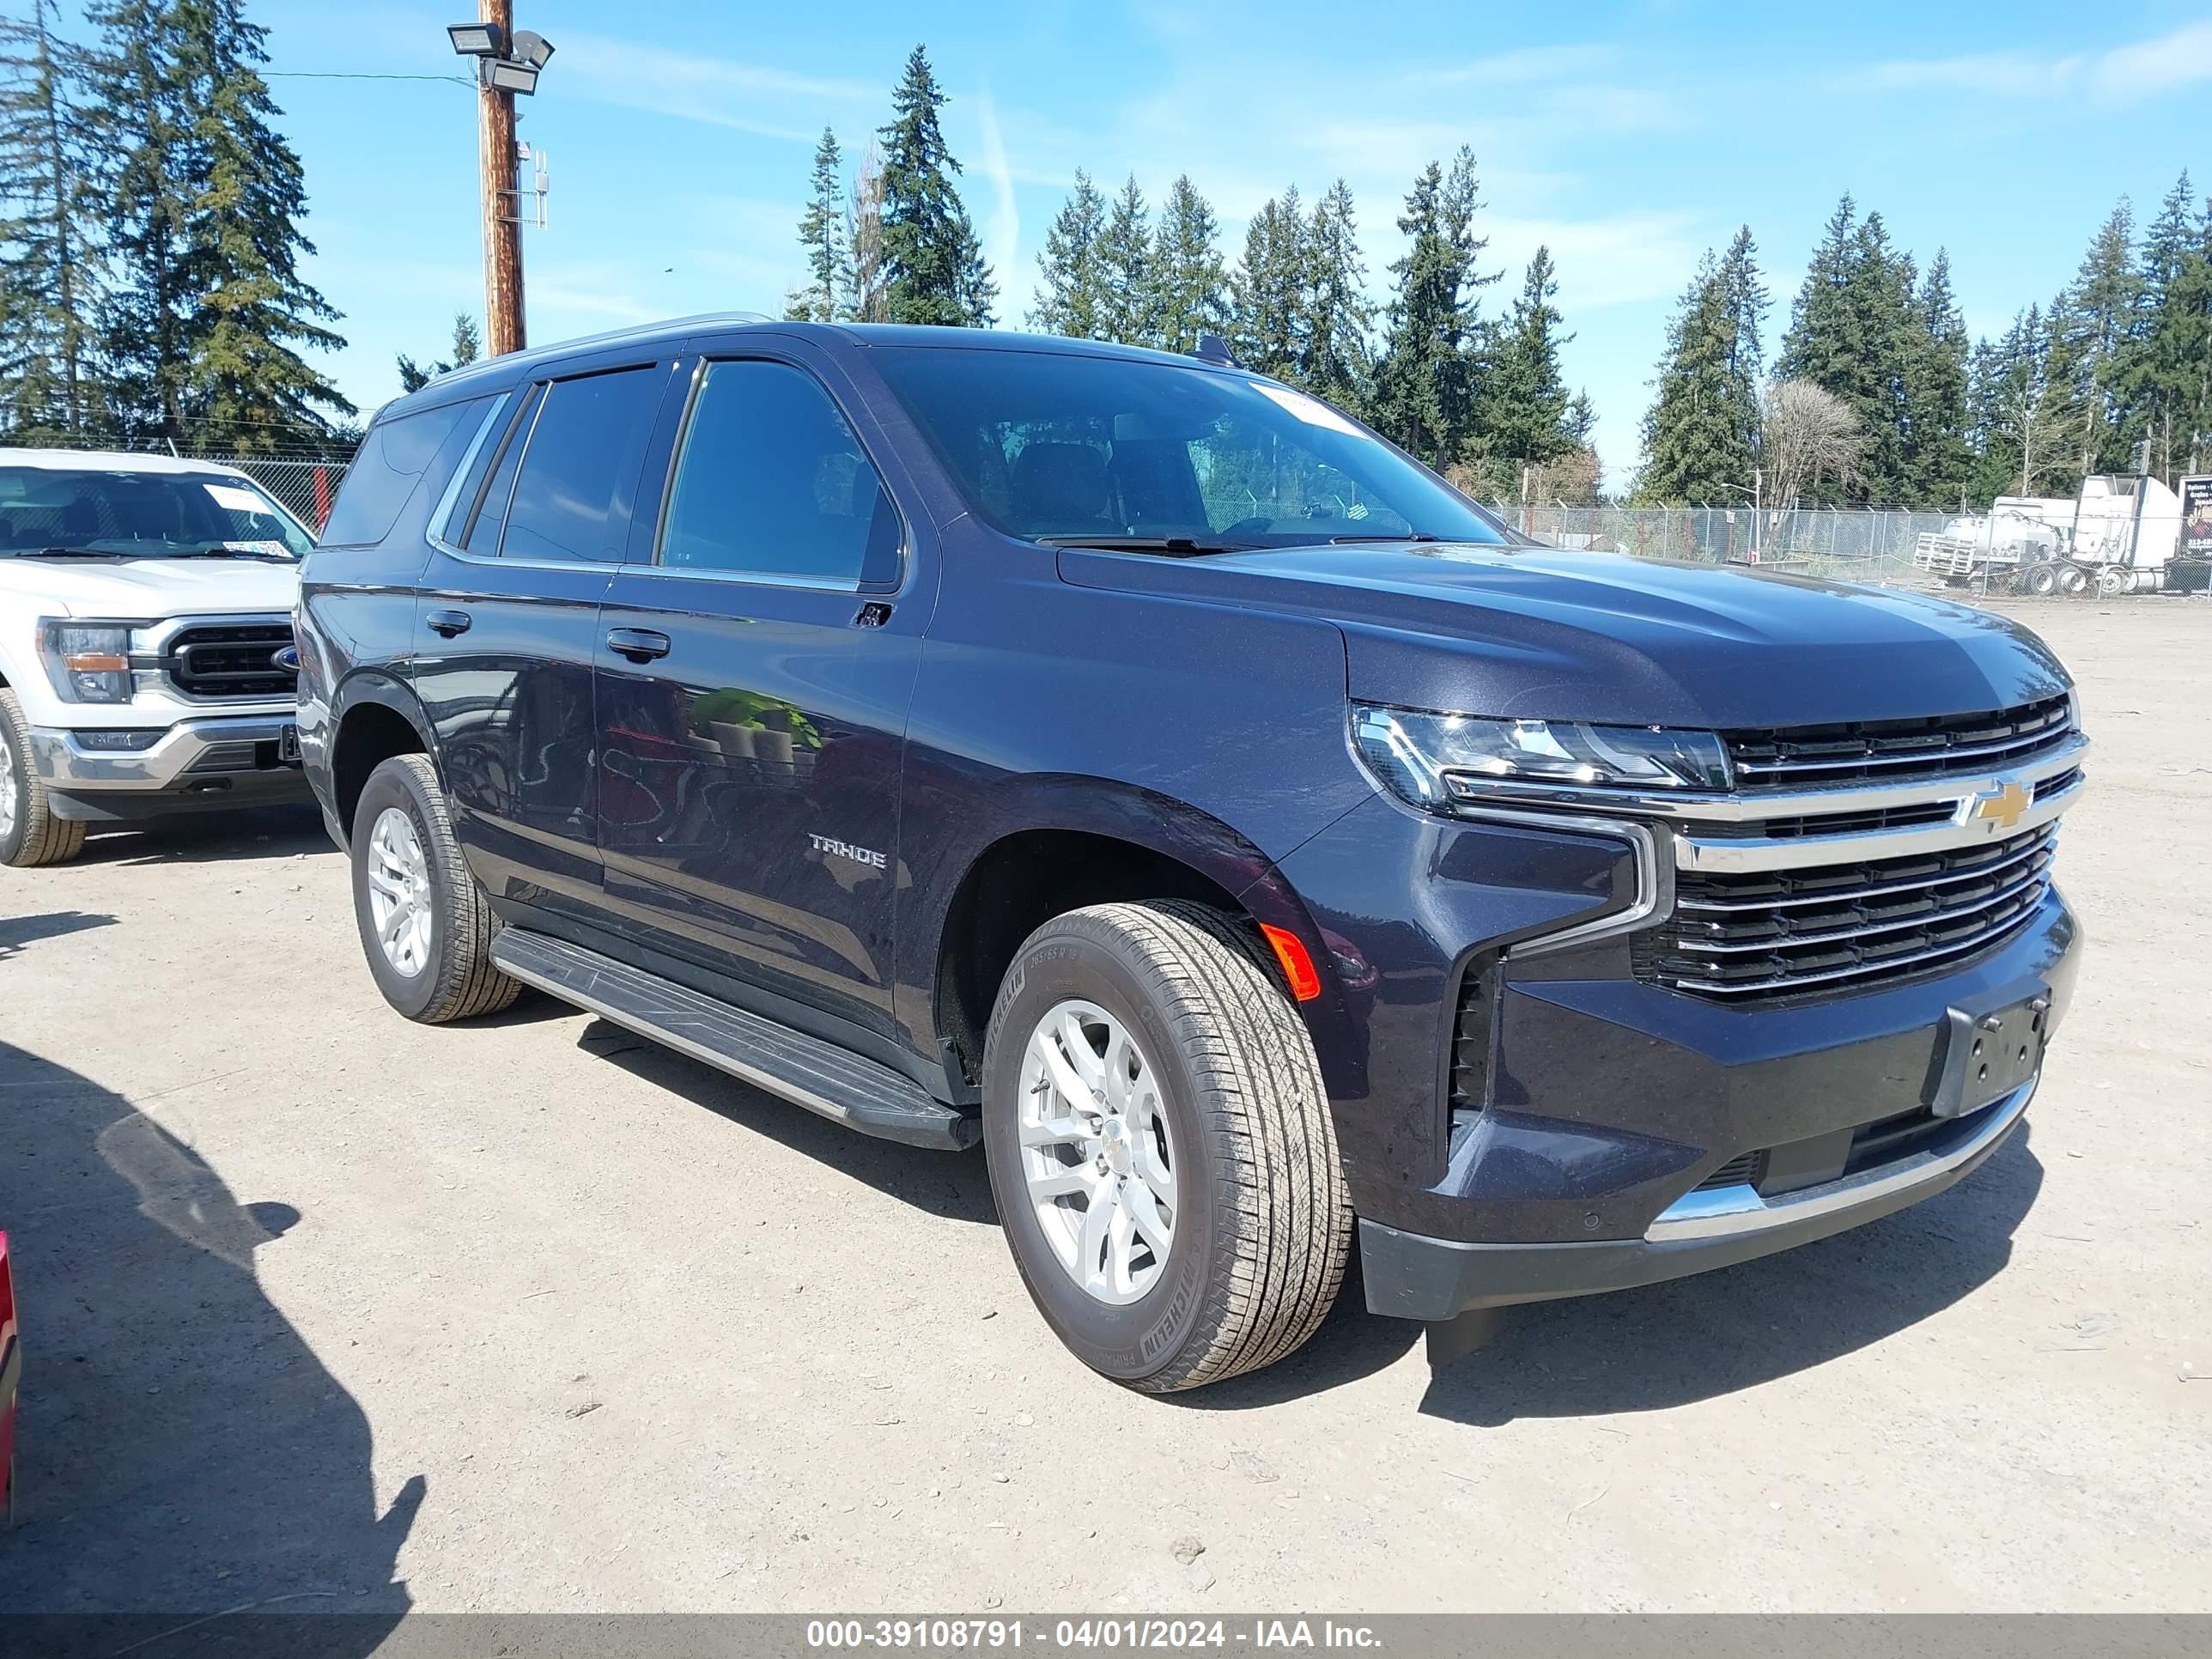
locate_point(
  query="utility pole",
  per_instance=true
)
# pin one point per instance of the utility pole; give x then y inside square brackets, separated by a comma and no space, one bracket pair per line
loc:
[502,209]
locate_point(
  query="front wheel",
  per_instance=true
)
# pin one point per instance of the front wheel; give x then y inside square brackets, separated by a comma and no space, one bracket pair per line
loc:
[30,834]
[1160,1147]
[426,926]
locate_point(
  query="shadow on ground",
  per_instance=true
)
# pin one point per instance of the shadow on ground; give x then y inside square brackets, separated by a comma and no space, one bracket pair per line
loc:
[1669,1344]
[16,932]
[954,1185]
[180,1451]
[1719,1333]
[263,832]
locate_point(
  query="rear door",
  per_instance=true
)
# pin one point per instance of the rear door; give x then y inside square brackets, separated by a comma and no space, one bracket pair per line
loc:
[508,623]
[759,654]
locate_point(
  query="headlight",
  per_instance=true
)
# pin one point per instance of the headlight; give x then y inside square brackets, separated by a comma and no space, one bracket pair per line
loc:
[1434,760]
[88,662]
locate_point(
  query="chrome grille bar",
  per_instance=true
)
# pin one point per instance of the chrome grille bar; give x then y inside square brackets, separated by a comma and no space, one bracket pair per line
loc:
[2043,846]
[1864,929]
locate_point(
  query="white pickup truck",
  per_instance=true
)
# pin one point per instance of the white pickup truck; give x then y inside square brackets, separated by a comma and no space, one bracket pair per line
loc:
[146,661]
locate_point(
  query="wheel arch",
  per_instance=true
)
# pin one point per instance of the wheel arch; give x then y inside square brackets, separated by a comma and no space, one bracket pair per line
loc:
[374,716]
[1058,844]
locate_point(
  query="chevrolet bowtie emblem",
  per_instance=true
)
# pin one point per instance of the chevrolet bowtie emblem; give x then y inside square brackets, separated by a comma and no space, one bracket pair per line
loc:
[1999,806]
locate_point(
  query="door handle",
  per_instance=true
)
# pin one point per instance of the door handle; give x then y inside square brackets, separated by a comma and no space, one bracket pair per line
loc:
[449,623]
[638,644]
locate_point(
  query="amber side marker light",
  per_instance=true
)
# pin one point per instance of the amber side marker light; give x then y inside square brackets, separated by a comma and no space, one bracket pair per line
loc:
[1297,966]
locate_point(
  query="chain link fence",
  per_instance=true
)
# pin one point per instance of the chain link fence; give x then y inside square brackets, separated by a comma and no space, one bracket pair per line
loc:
[1879,546]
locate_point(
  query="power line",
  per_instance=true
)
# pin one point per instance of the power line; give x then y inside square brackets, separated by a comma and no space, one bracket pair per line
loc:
[357,74]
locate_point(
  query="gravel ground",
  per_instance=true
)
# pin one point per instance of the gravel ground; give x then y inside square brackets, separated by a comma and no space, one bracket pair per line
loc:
[529,1315]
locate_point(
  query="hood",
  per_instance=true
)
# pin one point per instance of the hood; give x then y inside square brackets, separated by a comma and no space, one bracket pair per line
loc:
[1541,633]
[149,589]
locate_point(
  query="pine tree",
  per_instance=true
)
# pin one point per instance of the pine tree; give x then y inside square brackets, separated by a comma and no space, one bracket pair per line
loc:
[1189,285]
[1268,290]
[2015,412]
[248,382]
[827,294]
[1338,359]
[1068,299]
[932,262]
[141,100]
[1939,460]
[1428,382]
[50,381]
[1526,420]
[1124,250]
[1697,448]
[209,311]
[2162,375]
[467,346]
[1851,334]
[1743,309]
[2089,323]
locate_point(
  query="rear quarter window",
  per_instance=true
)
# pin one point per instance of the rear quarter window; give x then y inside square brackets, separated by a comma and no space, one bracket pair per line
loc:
[385,472]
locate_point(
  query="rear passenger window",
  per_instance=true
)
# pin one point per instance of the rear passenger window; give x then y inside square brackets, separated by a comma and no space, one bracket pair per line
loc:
[771,482]
[587,433]
[384,471]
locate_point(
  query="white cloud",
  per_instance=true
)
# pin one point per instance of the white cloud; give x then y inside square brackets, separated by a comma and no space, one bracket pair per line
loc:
[1003,235]
[1621,258]
[722,91]
[2124,75]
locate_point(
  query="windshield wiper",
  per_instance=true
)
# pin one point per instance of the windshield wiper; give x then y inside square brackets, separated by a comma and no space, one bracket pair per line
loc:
[1408,536]
[1179,546]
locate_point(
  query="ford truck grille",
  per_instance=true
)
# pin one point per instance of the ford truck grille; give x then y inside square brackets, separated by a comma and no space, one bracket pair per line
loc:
[229,659]
[1897,752]
[1743,937]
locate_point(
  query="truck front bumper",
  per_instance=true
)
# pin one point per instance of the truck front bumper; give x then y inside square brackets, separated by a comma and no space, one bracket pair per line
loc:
[209,762]
[1411,1276]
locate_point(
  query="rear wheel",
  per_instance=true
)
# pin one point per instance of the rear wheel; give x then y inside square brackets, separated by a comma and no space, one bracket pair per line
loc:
[1160,1145]
[30,834]
[426,925]
[2043,579]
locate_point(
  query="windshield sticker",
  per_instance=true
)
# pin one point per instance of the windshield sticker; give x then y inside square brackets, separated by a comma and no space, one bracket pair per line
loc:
[1311,410]
[263,550]
[238,499]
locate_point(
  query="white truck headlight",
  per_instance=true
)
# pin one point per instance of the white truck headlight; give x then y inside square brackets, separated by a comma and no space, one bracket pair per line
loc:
[1435,761]
[88,662]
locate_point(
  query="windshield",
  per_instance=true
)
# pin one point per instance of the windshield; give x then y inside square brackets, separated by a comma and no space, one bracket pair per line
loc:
[143,515]
[1056,446]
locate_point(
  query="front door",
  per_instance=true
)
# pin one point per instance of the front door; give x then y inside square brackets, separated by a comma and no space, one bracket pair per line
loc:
[754,674]
[507,617]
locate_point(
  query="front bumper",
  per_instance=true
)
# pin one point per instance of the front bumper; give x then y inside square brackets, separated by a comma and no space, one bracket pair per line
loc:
[213,762]
[1411,1276]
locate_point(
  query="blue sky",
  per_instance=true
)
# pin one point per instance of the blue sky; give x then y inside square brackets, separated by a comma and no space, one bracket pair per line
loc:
[1628,137]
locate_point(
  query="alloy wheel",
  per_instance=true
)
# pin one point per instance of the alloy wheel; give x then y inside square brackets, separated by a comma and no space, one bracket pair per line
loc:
[398,876]
[1098,1159]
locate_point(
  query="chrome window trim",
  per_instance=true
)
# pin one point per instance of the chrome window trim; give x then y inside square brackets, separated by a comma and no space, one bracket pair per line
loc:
[1740,1212]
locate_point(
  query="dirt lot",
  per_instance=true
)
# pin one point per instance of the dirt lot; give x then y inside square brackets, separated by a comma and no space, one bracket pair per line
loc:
[529,1315]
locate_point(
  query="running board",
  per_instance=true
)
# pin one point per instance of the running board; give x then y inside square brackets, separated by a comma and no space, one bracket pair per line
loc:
[818,1075]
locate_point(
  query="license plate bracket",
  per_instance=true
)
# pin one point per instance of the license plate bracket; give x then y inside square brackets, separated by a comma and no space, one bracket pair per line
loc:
[1988,1053]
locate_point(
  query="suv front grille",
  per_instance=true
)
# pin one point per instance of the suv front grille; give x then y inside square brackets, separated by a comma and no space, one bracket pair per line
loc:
[1897,752]
[1843,927]
[230,660]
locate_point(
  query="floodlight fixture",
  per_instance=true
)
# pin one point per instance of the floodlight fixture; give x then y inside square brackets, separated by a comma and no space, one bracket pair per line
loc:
[477,39]
[503,75]
[531,48]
